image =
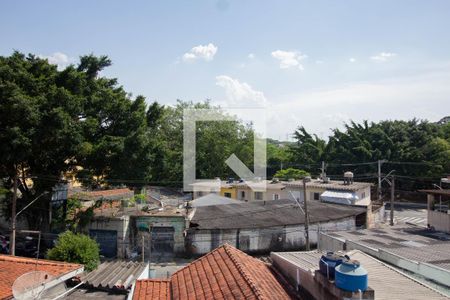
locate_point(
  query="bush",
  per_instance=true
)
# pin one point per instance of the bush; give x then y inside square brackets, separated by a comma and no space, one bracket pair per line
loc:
[76,248]
[289,173]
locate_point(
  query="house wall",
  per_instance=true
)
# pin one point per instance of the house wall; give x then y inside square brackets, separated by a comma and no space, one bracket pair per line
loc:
[439,220]
[267,195]
[144,223]
[230,190]
[298,193]
[261,240]
[121,226]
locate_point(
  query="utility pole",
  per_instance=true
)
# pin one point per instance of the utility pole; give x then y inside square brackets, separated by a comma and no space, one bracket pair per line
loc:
[306,179]
[143,247]
[379,180]
[392,199]
[13,215]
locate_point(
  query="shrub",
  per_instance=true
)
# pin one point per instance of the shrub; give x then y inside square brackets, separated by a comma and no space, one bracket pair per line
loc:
[76,248]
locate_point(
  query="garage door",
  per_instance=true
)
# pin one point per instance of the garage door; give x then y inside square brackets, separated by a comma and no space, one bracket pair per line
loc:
[107,239]
[163,239]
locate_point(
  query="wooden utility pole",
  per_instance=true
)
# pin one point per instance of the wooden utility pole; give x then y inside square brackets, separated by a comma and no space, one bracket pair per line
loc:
[12,250]
[392,199]
[379,180]
[306,215]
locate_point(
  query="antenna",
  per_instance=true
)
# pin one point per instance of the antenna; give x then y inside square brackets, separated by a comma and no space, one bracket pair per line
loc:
[30,285]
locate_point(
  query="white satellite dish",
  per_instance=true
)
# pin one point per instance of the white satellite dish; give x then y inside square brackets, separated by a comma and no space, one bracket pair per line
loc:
[30,285]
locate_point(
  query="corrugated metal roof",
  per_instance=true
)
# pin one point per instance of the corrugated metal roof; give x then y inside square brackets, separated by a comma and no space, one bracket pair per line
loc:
[330,185]
[388,282]
[212,199]
[263,214]
[412,243]
[115,274]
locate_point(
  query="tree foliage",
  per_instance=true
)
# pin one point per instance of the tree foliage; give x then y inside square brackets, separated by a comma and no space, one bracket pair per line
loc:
[76,248]
[53,121]
[417,150]
[291,173]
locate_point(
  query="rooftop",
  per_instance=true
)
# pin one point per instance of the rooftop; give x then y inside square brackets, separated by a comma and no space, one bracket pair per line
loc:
[399,285]
[445,192]
[225,273]
[414,243]
[113,194]
[330,185]
[115,274]
[12,267]
[260,214]
[212,199]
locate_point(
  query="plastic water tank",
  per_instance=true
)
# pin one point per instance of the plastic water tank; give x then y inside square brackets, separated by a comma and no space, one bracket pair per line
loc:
[350,276]
[329,262]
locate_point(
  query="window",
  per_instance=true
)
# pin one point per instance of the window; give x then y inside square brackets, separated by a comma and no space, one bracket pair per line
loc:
[276,197]
[316,196]
[228,195]
[242,194]
[363,195]
[258,195]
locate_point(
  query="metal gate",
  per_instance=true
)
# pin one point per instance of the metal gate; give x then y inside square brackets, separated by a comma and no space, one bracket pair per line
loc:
[107,239]
[163,239]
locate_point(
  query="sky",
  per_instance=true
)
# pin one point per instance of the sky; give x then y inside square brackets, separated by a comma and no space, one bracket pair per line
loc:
[316,64]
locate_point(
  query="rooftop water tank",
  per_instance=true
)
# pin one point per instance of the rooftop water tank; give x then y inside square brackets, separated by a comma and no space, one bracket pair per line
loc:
[329,262]
[350,276]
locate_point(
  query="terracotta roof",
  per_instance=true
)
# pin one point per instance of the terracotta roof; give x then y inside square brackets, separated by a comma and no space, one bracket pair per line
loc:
[225,273]
[155,289]
[114,194]
[11,267]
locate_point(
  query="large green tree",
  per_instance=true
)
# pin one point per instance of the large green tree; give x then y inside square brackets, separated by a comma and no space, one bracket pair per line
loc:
[53,121]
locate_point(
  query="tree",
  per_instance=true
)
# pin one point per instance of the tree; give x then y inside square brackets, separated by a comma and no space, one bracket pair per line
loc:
[54,121]
[76,248]
[291,173]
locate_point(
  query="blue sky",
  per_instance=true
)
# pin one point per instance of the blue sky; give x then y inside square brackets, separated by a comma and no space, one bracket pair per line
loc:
[311,63]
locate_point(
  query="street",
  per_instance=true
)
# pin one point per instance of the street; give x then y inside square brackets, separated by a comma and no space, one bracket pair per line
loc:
[408,213]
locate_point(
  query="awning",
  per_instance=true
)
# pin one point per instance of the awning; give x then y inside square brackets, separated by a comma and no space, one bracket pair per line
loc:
[339,197]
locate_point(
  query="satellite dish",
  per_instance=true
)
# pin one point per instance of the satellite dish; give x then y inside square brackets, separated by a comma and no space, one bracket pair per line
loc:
[30,285]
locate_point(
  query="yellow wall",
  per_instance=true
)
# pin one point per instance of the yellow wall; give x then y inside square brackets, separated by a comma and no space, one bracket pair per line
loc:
[230,190]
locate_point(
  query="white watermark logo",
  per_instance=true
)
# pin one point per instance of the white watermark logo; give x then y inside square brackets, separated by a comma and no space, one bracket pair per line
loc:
[257,116]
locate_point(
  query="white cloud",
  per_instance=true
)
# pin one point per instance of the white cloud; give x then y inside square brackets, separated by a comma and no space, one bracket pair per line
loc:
[320,110]
[240,94]
[57,58]
[251,56]
[205,52]
[289,59]
[352,59]
[383,56]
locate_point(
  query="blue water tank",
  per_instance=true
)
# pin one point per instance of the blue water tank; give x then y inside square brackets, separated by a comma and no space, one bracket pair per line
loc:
[329,262]
[350,276]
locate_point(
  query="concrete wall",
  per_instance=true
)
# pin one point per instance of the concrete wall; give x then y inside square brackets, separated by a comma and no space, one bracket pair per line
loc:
[143,223]
[261,240]
[439,220]
[267,195]
[121,225]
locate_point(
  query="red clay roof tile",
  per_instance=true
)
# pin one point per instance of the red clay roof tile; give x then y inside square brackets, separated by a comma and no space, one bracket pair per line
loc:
[11,267]
[225,273]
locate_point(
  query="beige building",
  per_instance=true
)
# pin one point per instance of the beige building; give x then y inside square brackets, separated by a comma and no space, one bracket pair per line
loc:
[260,190]
[332,191]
